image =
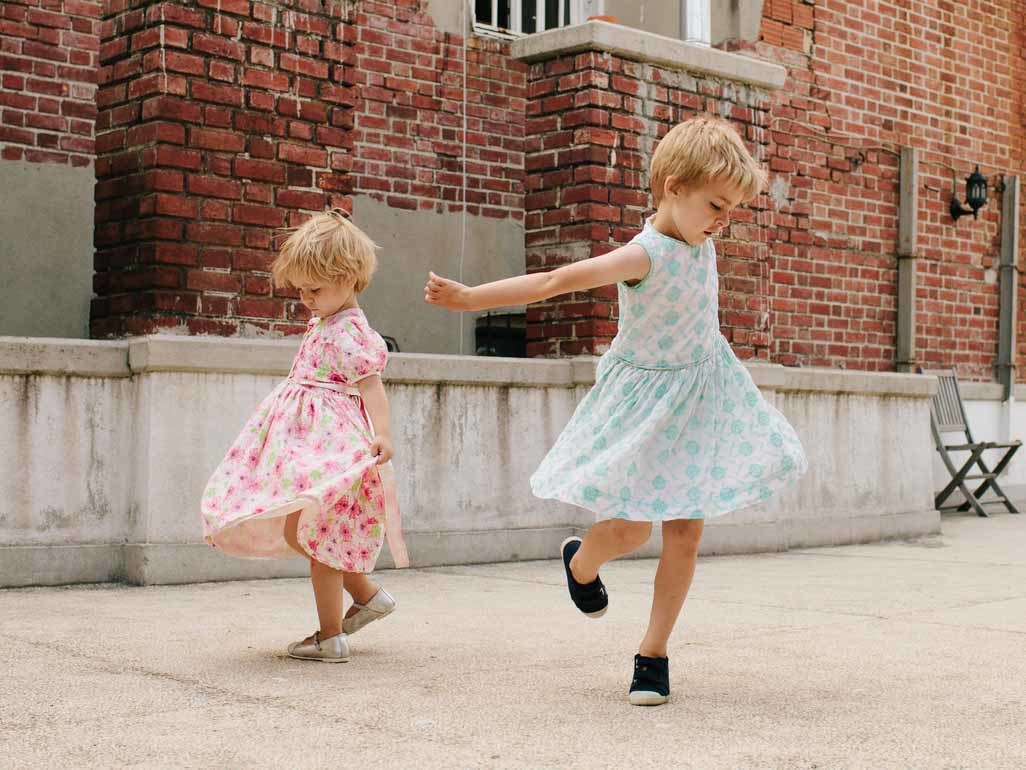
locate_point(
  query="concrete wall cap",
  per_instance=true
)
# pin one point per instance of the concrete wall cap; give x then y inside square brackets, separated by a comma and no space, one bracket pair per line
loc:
[986,391]
[63,357]
[168,353]
[417,368]
[822,380]
[644,46]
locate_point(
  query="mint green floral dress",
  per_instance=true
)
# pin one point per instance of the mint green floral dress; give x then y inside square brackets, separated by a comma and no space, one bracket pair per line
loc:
[674,427]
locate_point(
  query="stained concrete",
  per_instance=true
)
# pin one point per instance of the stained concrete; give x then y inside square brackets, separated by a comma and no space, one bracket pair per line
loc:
[46,249]
[475,250]
[894,655]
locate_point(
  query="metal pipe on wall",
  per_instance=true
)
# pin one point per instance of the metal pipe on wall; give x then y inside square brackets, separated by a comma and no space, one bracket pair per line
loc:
[1008,315]
[696,22]
[1008,281]
[908,229]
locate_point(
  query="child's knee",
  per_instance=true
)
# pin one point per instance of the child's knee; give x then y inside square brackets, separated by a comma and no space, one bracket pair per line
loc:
[683,534]
[630,535]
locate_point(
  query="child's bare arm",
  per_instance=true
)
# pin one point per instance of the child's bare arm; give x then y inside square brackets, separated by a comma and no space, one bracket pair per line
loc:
[627,263]
[373,393]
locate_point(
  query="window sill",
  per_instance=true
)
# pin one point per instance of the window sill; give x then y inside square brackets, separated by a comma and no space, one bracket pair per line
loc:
[652,49]
[494,33]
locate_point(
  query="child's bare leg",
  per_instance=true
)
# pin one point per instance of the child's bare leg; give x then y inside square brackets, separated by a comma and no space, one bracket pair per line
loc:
[327,587]
[361,588]
[327,583]
[672,581]
[605,541]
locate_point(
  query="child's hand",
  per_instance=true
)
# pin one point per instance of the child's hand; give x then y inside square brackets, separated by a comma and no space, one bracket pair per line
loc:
[382,449]
[445,293]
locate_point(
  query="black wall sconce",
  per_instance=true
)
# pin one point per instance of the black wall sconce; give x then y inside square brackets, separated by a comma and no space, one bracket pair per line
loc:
[975,196]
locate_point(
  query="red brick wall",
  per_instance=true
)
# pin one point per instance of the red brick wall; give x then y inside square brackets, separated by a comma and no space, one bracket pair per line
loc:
[827,231]
[48,71]
[594,120]
[221,122]
[199,168]
[945,79]
[250,113]
[409,119]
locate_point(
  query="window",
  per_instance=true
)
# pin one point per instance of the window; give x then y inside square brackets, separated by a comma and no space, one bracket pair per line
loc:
[515,18]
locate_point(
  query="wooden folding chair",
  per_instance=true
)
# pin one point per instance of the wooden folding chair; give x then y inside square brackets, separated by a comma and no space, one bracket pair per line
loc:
[947,415]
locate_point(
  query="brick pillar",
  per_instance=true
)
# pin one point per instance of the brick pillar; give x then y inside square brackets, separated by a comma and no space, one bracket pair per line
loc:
[594,120]
[221,121]
[585,192]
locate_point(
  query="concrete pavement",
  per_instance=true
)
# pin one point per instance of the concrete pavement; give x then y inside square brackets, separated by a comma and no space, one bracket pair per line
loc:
[901,654]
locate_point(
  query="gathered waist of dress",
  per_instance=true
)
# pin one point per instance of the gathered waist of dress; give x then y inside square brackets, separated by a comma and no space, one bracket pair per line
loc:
[664,367]
[671,367]
[338,387]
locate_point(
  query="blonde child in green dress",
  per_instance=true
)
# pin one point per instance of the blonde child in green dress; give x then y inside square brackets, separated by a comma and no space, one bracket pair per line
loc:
[674,430]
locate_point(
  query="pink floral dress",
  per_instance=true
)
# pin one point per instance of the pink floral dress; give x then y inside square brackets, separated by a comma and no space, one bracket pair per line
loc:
[307,448]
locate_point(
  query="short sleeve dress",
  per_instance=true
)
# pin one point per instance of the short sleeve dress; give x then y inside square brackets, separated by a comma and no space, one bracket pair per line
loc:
[674,427]
[308,448]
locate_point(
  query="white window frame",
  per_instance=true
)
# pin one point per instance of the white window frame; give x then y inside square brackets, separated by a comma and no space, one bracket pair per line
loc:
[579,11]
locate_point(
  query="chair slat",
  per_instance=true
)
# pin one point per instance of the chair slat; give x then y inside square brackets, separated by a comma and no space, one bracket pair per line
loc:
[946,404]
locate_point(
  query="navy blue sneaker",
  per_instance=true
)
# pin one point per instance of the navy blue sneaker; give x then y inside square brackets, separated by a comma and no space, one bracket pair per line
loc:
[651,683]
[590,598]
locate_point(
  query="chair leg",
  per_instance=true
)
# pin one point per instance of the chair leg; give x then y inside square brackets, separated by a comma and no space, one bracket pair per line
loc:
[992,483]
[957,477]
[972,502]
[1004,498]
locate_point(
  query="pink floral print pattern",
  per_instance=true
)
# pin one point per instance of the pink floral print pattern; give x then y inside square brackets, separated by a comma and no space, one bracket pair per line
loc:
[307,448]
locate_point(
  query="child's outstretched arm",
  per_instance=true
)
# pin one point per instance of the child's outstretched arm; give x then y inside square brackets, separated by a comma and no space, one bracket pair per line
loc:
[628,263]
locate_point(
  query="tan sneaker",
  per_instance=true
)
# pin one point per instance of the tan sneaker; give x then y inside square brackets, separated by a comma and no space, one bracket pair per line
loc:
[334,649]
[380,604]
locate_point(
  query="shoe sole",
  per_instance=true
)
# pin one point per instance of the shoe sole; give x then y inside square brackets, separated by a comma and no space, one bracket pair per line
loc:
[647,698]
[319,660]
[597,613]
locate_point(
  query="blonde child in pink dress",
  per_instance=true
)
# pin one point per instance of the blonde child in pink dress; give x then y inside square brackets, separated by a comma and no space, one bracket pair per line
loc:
[310,475]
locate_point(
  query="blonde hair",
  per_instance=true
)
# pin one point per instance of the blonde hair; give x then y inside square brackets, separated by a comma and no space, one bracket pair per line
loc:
[702,149]
[327,248]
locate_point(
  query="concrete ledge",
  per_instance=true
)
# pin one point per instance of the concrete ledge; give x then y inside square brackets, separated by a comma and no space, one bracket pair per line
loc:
[986,391]
[783,378]
[274,357]
[167,353]
[989,391]
[646,47]
[54,565]
[63,357]
[158,353]
[416,368]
